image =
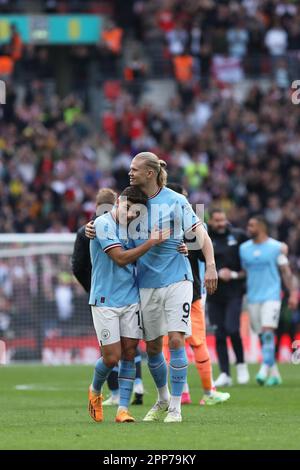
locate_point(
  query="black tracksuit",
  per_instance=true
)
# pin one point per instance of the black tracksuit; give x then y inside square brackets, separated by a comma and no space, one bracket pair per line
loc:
[194,257]
[224,306]
[81,260]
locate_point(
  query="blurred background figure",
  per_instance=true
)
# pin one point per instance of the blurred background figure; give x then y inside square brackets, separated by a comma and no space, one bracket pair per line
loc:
[225,305]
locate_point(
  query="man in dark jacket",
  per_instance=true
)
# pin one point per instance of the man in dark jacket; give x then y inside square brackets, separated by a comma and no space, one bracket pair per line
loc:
[81,262]
[82,269]
[225,305]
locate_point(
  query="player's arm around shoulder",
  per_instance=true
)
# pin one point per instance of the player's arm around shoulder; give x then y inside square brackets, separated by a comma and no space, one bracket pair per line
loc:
[90,231]
[205,243]
[123,257]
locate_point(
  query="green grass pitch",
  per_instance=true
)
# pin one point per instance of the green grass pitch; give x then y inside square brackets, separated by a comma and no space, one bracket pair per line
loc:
[52,414]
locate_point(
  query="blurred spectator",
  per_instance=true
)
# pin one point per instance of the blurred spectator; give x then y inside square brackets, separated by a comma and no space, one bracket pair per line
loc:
[112,38]
[64,296]
[15,44]
[177,39]
[238,38]
[276,40]
[183,68]
[134,73]
[110,48]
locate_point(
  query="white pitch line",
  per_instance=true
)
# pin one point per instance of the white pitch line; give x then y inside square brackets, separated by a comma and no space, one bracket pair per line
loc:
[43,388]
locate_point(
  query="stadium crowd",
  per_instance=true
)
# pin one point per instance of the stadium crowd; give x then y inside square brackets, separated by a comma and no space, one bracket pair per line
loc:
[240,155]
[262,36]
[243,157]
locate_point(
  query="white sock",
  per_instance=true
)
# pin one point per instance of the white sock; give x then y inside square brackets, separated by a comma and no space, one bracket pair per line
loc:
[95,392]
[175,403]
[121,408]
[163,393]
[186,388]
[264,369]
[138,388]
[274,371]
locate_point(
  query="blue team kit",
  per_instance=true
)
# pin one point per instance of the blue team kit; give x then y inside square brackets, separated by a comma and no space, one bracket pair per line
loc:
[161,266]
[260,262]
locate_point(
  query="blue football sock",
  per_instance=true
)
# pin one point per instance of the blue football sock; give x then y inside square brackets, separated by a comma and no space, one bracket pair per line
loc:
[178,371]
[138,365]
[100,375]
[126,380]
[158,368]
[138,358]
[268,348]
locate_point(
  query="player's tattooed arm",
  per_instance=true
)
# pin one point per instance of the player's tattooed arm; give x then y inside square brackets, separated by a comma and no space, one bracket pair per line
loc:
[289,279]
[294,294]
[211,275]
[291,283]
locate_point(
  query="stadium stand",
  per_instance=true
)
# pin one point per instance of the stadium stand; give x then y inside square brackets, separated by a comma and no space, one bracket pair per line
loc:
[229,130]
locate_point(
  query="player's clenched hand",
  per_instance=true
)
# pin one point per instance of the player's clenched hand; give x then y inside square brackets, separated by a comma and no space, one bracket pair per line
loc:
[183,249]
[90,231]
[211,279]
[158,236]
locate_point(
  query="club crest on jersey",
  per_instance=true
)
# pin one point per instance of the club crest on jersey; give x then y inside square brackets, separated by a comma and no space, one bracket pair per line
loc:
[105,334]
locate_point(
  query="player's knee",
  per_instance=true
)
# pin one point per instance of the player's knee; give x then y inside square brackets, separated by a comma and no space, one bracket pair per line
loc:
[153,350]
[154,347]
[176,341]
[111,360]
[129,354]
[265,329]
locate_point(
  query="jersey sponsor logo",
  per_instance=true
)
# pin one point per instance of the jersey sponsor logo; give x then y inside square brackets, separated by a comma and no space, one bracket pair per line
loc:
[105,334]
[256,253]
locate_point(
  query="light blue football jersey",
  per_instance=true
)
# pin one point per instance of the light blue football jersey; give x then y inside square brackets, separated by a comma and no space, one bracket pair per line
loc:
[163,265]
[112,285]
[263,276]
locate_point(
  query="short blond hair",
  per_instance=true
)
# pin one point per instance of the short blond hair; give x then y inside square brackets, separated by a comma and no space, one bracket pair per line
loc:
[106,196]
[159,166]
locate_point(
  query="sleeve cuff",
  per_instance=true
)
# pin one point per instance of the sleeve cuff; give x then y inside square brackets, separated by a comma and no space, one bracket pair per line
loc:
[196,224]
[115,245]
